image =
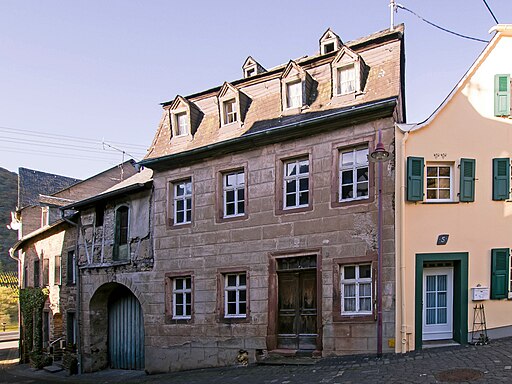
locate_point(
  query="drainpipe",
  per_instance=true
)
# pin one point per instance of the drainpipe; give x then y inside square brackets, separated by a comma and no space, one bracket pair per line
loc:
[78,293]
[403,325]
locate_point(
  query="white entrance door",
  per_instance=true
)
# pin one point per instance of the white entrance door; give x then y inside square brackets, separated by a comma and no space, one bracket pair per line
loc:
[438,303]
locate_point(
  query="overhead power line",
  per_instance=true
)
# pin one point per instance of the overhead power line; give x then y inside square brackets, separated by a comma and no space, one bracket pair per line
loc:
[439,27]
[490,11]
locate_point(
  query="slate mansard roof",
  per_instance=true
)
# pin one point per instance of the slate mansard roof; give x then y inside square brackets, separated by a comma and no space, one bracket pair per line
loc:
[382,58]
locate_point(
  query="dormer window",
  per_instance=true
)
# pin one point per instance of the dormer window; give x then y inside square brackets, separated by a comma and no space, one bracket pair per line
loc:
[329,42]
[182,123]
[251,68]
[185,118]
[346,80]
[294,94]
[348,73]
[296,87]
[250,72]
[230,111]
[233,105]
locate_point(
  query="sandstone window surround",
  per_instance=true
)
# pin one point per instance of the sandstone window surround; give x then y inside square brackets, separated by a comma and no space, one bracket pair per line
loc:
[180,203]
[184,118]
[234,193]
[296,88]
[233,295]
[179,297]
[348,72]
[354,289]
[329,42]
[233,105]
[252,68]
[121,234]
[71,268]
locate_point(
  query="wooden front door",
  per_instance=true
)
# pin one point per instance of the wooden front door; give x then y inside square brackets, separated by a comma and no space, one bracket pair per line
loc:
[297,310]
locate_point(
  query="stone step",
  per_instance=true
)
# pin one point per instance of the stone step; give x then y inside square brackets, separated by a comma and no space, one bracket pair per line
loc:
[53,368]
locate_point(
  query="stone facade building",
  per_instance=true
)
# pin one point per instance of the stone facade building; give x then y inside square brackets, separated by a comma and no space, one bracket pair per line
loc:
[264,213]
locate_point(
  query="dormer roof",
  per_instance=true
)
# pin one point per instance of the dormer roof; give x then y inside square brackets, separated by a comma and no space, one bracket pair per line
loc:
[251,67]
[180,102]
[345,54]
[225,89]
[293,69]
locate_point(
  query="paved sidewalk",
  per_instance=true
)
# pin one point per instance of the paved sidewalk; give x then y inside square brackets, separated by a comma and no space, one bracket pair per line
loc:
[471,364]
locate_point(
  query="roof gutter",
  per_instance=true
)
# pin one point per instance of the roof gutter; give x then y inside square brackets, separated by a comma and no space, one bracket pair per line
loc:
[341,118]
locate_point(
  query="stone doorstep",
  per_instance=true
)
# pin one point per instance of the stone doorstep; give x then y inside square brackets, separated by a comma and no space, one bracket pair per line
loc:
[289,357]
[53,368]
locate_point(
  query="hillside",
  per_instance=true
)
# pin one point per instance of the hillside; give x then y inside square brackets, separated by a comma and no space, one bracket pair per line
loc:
[8,200]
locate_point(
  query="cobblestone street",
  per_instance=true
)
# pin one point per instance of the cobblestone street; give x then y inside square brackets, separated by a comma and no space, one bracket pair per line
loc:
[472,364]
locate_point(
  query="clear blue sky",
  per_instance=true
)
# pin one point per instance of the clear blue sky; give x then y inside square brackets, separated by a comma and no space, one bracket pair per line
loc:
[98,70]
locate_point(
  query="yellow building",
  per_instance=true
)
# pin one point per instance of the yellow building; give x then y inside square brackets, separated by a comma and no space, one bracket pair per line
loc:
[454,210]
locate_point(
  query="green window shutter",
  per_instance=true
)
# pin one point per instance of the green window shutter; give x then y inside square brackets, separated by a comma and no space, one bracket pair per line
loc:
[501,179]
[467,180]
[502,95]
[415,169]
[499,273]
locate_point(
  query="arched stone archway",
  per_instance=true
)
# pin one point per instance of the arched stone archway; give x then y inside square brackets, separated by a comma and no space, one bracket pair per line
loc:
[117,328]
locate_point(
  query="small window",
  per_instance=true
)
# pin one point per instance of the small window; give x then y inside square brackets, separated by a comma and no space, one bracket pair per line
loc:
[250,72]
[230,113]
[183,202]
[235,295]
[234,193]
[329,47]
[353,177]
[182,298]
[294,94]
[296,184]
[121,234]
[346,80]
[99,215]
[439,182]
[57,270]
[71,268]
[182,124]
[45,216]
[71,330]
[46,272]
[356,289]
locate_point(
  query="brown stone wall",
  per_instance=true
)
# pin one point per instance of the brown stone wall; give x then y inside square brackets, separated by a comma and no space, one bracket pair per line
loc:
[334,231]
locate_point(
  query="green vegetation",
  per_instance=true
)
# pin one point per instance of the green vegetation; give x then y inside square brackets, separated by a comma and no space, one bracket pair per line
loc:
[31,307]
[8,301]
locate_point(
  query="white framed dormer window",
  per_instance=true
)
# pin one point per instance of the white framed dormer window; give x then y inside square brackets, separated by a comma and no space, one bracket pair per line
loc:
[346,80]
[45,216]
[182,298]
[182,127]
[356,289]
[353,177]
[439,182]
[235,295]
[294,94]
[296,184]
[230,114]
[233,185]
[183,202]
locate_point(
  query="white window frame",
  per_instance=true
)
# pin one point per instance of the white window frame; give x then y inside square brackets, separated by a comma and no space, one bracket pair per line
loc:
[354,167]
[236,288]
[346,84]
[357,281]
[297,177]
[230,111]
[438,188]
[45,216]
[183,293]
[293,94]
[238,185]
[182,124]
[186,198]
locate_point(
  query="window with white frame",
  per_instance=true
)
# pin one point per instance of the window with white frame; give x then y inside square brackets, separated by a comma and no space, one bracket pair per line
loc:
[296,184]
[235,295]
[353,177]
[439,182]
[294,94]
[356,289]
[230,113]
[183,202]
[182,124]
[182,298]
[346,80]
[234,193]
